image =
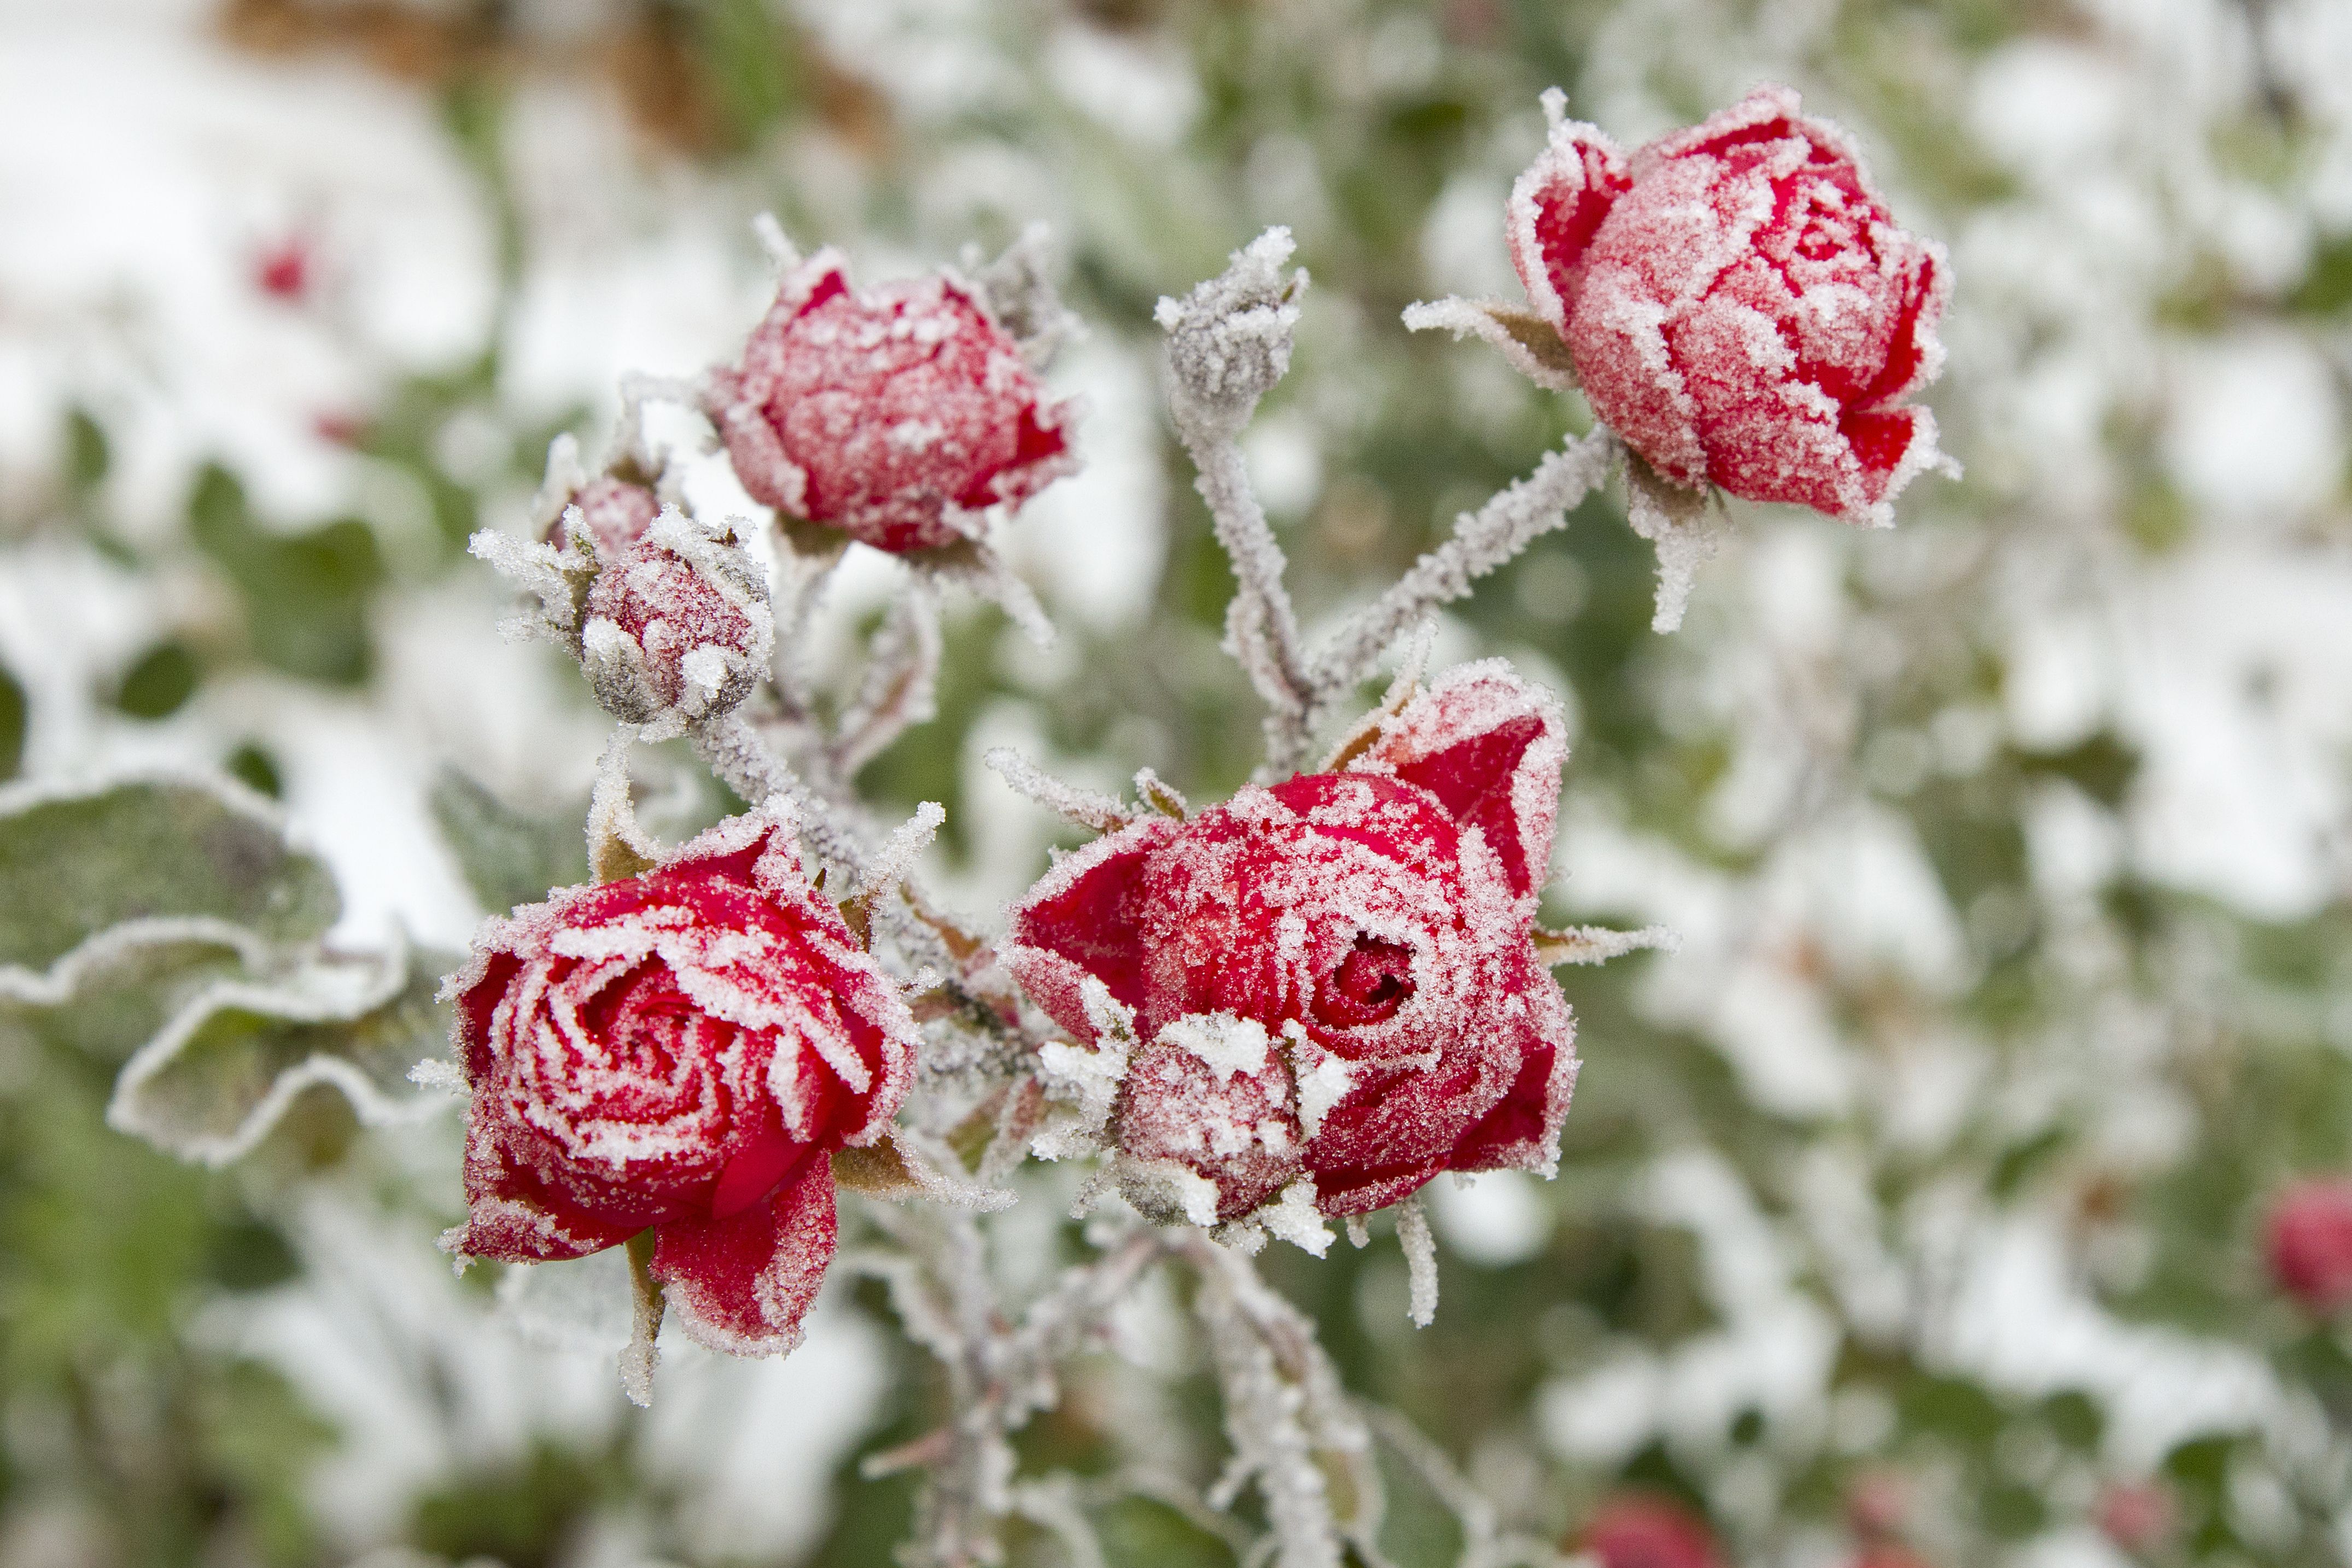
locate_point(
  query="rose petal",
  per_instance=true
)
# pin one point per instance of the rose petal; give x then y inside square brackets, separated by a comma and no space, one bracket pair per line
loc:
[1491,748]
[1084,917]
[743,1284]
[514,1217]
[1555,208]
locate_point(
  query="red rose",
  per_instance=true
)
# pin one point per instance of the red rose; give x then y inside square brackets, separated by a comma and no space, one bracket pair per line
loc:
[678,620]
[1650,1532]
[1739,307]
[901,414]
[1334,977]
[2309,1239]
[682,1051]
[615,513]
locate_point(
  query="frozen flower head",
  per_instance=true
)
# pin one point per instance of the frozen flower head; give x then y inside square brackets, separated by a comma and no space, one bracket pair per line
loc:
[613,512]
[678,620]
[679,1051]
[1333,977]
[1649,1533]
[2308,1237]
[1738,303]
[901,414]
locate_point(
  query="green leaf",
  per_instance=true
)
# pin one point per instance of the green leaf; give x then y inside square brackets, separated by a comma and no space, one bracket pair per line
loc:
[508,857]
[218,1076]
[305,593]
[176,858]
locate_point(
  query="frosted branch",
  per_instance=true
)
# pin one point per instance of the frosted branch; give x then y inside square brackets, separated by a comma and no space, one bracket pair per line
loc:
[1071,802]
[1228,342]
[732,749]
[1482,541]
[901,685]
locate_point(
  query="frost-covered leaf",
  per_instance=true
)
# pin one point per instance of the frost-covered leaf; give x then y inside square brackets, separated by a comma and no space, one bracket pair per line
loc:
[894,1168]
[212,1083]
[1686,525]
[1529,341]
[174,857]
[508,857]
[112,997]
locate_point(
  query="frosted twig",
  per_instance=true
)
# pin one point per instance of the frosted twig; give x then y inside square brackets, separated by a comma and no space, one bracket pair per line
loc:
[1483,1543]
[1228,341]
[1482,540]
[1598,944]
[1071,802]
[895,861]
[732,749]
[805,576]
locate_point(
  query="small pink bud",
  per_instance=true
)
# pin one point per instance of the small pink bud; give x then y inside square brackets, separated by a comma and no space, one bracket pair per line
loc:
[615,513]
[285,270]
[2309,1239]
[679,620]
[1739,306]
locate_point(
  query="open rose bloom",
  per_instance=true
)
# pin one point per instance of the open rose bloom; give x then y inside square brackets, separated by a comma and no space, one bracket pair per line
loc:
[1738,305]
[901,414]
[1332,977]
[680,1052]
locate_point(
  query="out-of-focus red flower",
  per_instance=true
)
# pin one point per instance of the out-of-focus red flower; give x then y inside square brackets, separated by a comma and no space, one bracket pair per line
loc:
[679,1051]
[902,415]
[2308,1237]
[1334,977]
[285,270]
[1877,1501]
[1650,1532]
[1738,303]
[2136,1515]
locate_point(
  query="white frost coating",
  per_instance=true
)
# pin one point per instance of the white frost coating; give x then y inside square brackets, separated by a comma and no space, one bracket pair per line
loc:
[616,842]
[1083,1082]
[899,688]
[1598,944]
[1504,328]
[782,253]
[557,578]
[1226,1043]
[1686,526]
[638,1357]
[1323,1078]
[1167,1188]
[1419,1259]
[1071,802]
[1016,290]
[895,861]
[681,621]
[1295,1219]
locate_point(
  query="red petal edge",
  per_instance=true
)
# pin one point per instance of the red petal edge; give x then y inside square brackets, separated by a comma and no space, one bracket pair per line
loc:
[1079,920]
[1490,746]
[1556,207]
[743,1284]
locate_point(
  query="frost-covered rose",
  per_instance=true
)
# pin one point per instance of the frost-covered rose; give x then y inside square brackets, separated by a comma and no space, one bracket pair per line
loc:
[1738,303]
[901,414]
[2308,1235]
[678,620]
[614,512]
[682,1051]
[1334,977]
[1649,1533]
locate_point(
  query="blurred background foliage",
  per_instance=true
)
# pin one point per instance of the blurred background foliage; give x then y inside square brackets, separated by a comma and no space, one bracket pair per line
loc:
[1917,1203]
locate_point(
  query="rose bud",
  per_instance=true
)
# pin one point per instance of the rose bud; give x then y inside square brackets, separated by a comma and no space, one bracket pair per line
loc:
[901,414]
[1650,1532]
[1738,305]
[678,620]
[2308,1237]
[1334,977]
[615,513]
[679,1051]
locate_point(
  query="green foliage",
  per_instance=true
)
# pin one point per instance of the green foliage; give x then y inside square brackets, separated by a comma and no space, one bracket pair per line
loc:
[305,594]
[508,857]
[74,866]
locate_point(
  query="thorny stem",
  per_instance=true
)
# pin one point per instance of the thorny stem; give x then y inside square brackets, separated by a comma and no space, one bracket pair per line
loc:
[732,749]
[1262,623]
[1482,540]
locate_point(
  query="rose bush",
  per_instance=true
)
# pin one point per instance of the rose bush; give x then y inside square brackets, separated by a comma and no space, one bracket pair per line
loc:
[1738,303]
[902,415]
[1334,977]
[680,1051]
